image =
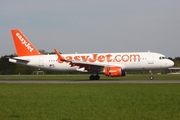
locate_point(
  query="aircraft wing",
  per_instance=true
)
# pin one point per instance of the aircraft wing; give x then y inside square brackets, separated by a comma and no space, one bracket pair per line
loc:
[88,66]
[86,63]
[97,67]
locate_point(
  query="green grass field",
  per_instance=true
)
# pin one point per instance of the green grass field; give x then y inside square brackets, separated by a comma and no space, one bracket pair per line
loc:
[86,77]
[90,101]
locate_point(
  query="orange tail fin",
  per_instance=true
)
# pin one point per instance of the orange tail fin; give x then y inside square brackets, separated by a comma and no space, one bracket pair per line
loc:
[23,45]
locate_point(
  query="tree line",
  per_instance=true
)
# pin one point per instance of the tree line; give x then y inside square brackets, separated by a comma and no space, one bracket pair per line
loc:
[8,68]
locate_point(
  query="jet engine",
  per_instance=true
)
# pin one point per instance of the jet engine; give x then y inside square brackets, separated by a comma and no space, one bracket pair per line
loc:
[114,71]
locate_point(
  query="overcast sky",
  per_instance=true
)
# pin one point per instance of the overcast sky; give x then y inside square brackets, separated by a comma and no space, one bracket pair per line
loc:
[93,25]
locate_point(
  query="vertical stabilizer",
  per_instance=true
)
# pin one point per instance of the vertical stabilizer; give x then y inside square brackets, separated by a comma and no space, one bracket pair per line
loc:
[23,45]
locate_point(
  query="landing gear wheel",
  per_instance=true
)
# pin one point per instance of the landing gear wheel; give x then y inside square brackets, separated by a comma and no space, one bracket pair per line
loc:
[97,77]
[151,77]
[91,77]
[94,77]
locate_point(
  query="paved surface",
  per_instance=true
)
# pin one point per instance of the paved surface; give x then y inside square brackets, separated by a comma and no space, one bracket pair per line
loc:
[86,81]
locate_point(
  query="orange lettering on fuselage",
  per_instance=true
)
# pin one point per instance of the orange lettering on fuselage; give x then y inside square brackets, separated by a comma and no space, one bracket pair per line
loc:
[134,56]
[101,58]
[108,57]
[125,58]
[69,58]
[77,58]
[94,59]
[104,58]
[84,58]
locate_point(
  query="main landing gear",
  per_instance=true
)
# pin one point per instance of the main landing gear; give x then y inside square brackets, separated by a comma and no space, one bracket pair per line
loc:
[151,75]
[94,77]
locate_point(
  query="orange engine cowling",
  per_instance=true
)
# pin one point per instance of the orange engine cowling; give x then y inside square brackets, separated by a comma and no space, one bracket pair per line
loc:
[114,71]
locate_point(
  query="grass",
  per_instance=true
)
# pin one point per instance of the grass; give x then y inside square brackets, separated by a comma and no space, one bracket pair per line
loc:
[86,77]
[90,101]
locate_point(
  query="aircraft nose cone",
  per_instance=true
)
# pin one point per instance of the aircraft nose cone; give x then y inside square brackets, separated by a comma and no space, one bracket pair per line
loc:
[171,63]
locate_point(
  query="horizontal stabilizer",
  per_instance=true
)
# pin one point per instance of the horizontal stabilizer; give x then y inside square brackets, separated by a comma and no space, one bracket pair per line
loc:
[19,60]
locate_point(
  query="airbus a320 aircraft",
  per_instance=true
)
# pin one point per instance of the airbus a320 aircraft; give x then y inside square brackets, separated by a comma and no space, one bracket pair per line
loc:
[110,64]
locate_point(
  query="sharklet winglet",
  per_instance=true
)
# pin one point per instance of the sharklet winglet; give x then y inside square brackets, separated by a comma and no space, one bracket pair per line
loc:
[59,55]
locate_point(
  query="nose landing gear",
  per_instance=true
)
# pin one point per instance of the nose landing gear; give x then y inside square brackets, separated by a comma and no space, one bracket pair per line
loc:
[151,75]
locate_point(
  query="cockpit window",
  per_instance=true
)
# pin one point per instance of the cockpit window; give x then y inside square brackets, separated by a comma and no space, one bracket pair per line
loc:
[161,58]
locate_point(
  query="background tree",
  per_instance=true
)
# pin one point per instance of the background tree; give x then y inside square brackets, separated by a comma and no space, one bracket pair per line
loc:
[9,68]
[5,66]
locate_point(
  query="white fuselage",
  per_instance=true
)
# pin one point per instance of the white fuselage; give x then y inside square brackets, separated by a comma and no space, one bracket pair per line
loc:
[127,61]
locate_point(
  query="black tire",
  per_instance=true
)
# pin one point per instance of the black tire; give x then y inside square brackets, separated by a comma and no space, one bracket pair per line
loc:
[91,77]
[97,77]
[94,77]
[151,78]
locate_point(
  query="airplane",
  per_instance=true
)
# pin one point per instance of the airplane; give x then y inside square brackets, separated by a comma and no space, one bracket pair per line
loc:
[109,64]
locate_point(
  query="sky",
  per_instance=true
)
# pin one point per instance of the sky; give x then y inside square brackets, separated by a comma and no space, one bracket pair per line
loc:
[92,26]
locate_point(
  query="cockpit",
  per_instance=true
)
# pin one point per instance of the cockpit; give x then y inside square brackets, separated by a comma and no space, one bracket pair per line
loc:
[162,58]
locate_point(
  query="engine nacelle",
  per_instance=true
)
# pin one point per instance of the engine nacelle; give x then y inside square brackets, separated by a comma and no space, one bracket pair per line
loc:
[114,71]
